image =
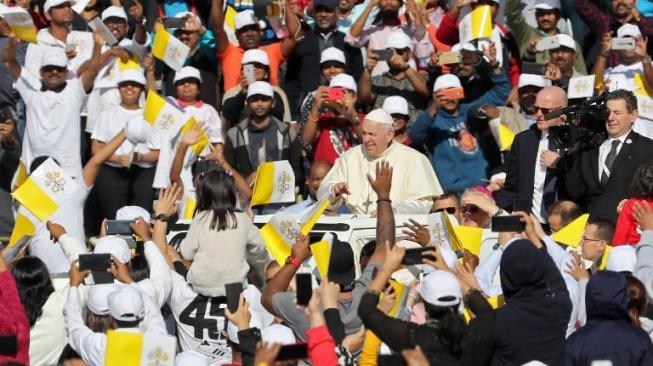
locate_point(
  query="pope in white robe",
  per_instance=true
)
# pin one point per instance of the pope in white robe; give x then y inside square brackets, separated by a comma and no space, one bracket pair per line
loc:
[414,183]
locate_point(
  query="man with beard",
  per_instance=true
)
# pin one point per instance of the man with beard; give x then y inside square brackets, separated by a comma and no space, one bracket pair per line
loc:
[622,12]
[373,37]
[303,70]
[531,172]
[561,67]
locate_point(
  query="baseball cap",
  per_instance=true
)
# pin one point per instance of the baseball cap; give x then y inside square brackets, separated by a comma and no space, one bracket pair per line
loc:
[244,19]
[395,104]
[114,12]
[53,3]
[54,56]
[132,213]
[342,268]
[187,72]
[137,131]
[260,88]
[332,54]
[98,297]
[277,333]
[629,30]
[621,259]
[343,81]
[446,81]
[397,40]
[329,4]
[566,41]
[115,246]
[126,304]
[135,75]
[467,46]
[548,4]
[531,79]
[440,288]
[255,55]
[191,358]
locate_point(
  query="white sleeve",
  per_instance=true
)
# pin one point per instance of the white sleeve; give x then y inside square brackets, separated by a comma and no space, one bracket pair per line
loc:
[485,273]
[88,344]
[415,206]
[560,256]
[644,264]
[582,311]
[153,320]
[159,273]
[27,85]
[72,247]
[215,127]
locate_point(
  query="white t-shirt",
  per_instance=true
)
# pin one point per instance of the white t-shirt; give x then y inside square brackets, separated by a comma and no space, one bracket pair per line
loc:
[53,122]
[114,120]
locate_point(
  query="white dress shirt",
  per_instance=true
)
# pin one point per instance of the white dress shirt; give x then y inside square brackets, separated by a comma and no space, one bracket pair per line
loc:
[605,148]
[539,178]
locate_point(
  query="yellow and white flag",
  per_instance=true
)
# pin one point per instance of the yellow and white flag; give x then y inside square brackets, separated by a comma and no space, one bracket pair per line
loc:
[24,226]
[438,229]
[506,137]
[21,24]
[573,232]
[275,183]
[202,143]
[45,190]
[165,117]
[169,49]
[322,254]
[476,25]
[139,349]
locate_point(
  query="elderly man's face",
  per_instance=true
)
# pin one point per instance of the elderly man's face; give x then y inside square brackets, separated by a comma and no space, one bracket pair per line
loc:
[548,100]
[376,137]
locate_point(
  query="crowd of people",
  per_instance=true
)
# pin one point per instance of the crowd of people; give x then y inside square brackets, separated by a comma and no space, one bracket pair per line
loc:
[381,107]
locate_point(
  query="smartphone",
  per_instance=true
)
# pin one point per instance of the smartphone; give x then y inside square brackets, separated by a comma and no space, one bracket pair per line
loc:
[248,71]
[94,262]
[174,23]
[414,256]
[532,68]
[507,224]
[304,284]
[625,43]
[448,58]
[390,360]
[335,94]
[119,227]
[547,43]
[384,54]
[523,205]
[100,277]
[233,291]
[8,345]
[453,93]
[297,351]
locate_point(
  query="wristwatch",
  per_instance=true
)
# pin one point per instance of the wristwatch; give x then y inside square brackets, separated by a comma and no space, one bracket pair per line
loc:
[161,217]
[499,212]
[294,261]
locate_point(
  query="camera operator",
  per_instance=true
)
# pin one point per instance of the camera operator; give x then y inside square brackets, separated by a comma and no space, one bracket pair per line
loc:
[601,175]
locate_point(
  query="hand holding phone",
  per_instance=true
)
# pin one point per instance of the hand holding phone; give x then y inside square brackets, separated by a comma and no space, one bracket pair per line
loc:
[119,227]
[232,292]
[414,256]
[624,43]
[384,54]
[448,58]
[174,23]
[297,351]
[304,284]
[547,43]
[507,224]
[335,94]
[452,93]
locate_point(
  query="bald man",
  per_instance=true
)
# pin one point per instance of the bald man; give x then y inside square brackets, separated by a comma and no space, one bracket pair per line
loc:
[319,170]
[531,173]
[414,183]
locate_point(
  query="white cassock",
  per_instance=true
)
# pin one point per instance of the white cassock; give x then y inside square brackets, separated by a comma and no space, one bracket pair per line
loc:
[414,183]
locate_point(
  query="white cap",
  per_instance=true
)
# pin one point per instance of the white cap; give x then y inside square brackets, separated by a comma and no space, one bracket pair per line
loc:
[440,288]
[126,304]
[138,131]
[52,3]
[114,245]
[450,258]
[629,30]
[332,54]
[467,46]
[256,55]
[191,358]
[54,56]
[343,81]
[397,40]
[277,333]
[531,79]
[379,116]
[621,259]
[395,104]
[187,72]
[565,40]
[114,12]
[132,213]
[446,81]
[98,298]
[244,18]
[260,88]
[548,4]
[135,75]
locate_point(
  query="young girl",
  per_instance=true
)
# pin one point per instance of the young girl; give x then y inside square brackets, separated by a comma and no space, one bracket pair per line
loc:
[627,231]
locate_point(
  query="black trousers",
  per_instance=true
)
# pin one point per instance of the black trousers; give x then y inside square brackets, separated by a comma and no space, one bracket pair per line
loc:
[118,187]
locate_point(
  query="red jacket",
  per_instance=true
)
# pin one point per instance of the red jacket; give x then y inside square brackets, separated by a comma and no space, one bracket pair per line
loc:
[321,347]
[13,319]
[626,230]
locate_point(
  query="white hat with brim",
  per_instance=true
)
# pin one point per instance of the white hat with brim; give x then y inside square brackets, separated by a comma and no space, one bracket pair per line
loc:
[54,56]
[114,245]
[629,30]
[114,12]
[256,56]
[395,104]
[244,19]
[132,213]
[344,81]
[332,54]
[260,88]
[54,3]
[134,75]
[621,258]
[98,298]
[379,116]
[126,304]
[397,40]
[278,333]
[548,4]
[440,288]
[446,81]
[187,72]
[566,41]
[531,80]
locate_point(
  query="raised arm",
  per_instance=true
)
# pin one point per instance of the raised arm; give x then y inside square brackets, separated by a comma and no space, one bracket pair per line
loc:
[385,217]
[289,43]
[92,168]
[358,26]
[9,57]
[88,77]
[217,23]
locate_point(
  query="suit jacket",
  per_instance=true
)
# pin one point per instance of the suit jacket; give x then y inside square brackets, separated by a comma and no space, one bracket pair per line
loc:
[601,200]
[520,173]
[303,68]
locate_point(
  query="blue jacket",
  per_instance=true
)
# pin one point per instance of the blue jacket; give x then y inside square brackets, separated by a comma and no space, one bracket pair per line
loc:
[455,154]
[609,333]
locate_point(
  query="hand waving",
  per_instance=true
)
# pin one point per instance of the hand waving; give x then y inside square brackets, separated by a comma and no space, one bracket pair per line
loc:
[383,181]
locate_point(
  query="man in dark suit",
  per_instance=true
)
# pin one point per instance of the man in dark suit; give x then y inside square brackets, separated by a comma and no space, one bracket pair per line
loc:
[601,176]
[531,172]
[303,74]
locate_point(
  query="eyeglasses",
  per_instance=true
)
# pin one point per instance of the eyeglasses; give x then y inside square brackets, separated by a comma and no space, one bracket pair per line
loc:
[401,52]
[472,209]
[450,210]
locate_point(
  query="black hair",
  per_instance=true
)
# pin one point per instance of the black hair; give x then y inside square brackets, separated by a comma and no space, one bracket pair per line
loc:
[625,95]
[642,184]
[126,323]
[139,268]
[568,211]
[34,285]
[68,353]
[97,323]
[449,194]
[368,249]
[216,192]
[604,229]
[36,163]
[637,299]
[449,324]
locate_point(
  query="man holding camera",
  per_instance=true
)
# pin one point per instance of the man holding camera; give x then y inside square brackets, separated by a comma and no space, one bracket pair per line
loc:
[601,176]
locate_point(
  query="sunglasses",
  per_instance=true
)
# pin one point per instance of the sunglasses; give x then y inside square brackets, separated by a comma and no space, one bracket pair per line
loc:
[450,210]
[53,69]
[472,209]
[401,52]
[545,110]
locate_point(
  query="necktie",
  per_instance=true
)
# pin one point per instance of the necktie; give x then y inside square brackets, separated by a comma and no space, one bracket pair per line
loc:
[609,160]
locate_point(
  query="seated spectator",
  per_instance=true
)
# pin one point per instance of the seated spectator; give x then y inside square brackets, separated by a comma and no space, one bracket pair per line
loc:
[562,213]
[397,107]
[448,201]
[400,79]
[319,170]
[234,103]
[9,159]
[627,229]
[561,67]
[597,235]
